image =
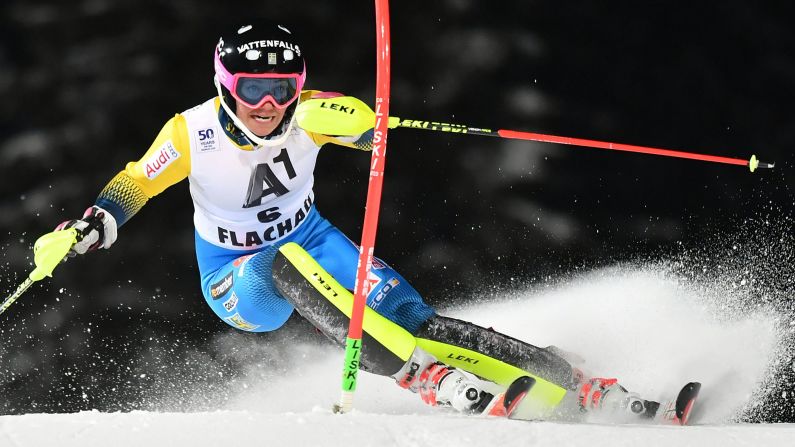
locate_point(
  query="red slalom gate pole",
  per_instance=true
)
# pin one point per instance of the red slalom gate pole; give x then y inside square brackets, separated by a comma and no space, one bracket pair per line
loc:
[353,344]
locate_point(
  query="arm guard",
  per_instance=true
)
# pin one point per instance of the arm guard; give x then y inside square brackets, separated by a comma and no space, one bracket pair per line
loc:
[347,124]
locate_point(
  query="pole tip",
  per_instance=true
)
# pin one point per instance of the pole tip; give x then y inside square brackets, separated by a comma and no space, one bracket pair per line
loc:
[345,405]
[754,163]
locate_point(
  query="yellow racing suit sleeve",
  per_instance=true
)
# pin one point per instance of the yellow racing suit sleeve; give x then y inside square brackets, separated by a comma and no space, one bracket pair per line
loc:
[165,163]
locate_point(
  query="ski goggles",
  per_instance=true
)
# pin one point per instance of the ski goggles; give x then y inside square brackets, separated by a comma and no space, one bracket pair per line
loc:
[254,90]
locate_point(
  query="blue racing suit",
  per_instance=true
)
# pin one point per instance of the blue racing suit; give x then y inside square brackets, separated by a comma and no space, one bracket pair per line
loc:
[238,287]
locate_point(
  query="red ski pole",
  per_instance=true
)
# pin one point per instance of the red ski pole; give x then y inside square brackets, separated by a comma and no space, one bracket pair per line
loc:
[321,115]
[353,345]
[752,163]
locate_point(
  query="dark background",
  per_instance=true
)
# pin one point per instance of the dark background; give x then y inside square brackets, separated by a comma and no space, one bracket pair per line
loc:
[86,86]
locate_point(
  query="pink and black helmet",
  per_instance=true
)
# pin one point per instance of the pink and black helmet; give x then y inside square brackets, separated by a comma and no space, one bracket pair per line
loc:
[259,61]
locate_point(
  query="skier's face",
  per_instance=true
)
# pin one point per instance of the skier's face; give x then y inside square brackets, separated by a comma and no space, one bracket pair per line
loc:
[262,120]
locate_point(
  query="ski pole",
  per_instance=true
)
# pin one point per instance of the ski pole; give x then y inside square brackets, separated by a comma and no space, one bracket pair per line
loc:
[353,343]
[48,251]
[752,163]
[323,116]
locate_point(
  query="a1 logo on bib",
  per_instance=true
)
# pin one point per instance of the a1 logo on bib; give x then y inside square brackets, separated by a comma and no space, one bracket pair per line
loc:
[206,140]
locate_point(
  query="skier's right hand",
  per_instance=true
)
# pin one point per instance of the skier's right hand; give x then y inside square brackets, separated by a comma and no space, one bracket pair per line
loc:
[97,229]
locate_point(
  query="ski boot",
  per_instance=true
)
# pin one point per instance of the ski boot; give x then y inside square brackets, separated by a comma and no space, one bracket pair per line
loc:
[445,386]
[608,396]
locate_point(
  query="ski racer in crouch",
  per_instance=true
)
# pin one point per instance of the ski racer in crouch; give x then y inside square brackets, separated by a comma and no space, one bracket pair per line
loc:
[263,249]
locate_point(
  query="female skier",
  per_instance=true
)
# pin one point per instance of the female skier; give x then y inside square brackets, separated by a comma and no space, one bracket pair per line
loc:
[250,168]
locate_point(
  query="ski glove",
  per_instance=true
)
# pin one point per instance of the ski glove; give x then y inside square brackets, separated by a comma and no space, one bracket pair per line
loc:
[97,229]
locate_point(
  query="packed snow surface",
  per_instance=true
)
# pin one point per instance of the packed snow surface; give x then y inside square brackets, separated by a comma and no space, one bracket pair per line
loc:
[649,330]
[321,428]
